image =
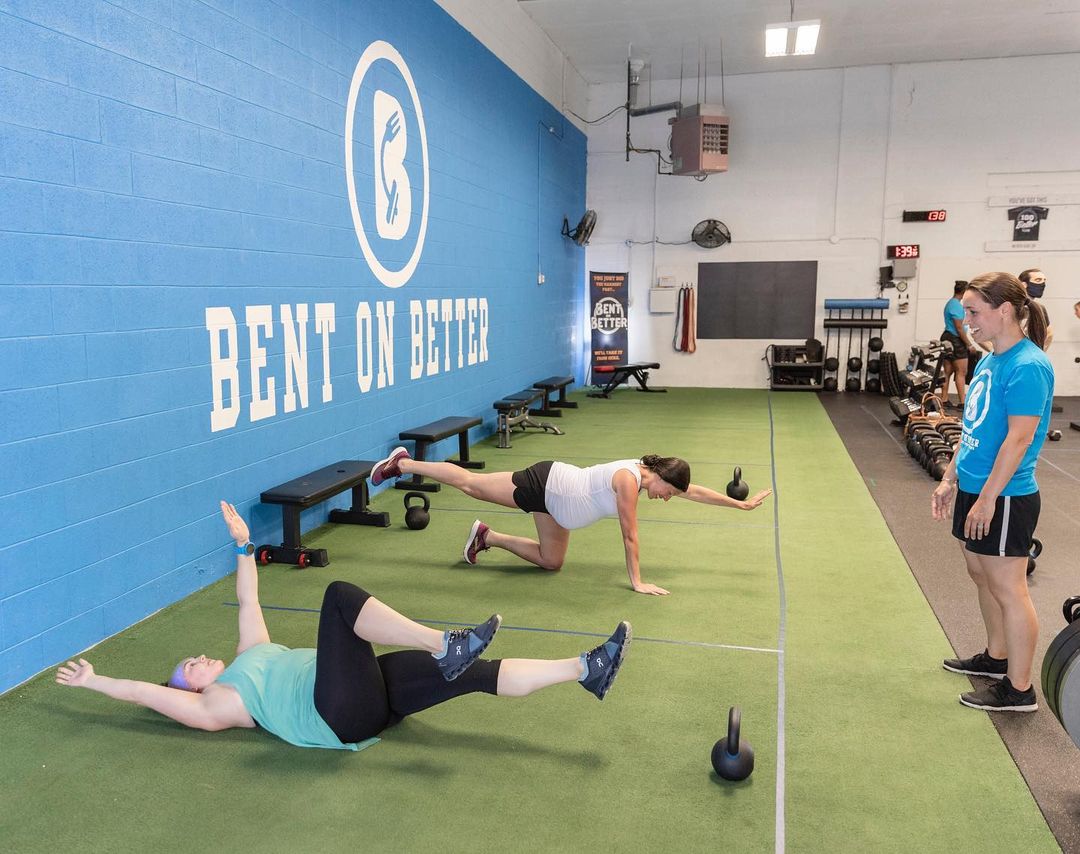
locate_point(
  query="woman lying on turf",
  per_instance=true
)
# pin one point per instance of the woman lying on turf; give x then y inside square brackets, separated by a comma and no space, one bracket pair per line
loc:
[562,497]
[342,693]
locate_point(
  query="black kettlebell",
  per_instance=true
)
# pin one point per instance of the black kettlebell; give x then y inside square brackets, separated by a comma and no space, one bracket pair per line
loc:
[733,757]
[738,488]
[416,517]
[1069,609]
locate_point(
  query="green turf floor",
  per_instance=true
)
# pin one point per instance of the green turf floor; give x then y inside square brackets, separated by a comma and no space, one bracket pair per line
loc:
[877,753]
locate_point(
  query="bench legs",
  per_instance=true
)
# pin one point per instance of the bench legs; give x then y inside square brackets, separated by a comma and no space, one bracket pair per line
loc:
[359,514]
[548,407]
[562,402]
[520,418]
[293,551]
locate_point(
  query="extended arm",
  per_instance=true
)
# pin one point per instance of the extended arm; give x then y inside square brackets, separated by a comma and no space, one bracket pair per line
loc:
[626,499]
[186,707]
[252,626]
[704,495]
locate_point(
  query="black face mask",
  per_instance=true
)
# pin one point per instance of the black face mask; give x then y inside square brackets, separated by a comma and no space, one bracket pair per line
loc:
[1035,291]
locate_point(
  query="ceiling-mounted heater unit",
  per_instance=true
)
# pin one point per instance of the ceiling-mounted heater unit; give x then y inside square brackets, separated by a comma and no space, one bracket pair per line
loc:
[699,140]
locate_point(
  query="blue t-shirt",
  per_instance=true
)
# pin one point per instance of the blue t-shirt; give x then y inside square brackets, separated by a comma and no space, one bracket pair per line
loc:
[277,685]
[1019,381]
[954,310]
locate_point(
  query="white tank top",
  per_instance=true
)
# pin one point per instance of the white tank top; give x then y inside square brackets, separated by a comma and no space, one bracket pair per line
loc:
[578,497]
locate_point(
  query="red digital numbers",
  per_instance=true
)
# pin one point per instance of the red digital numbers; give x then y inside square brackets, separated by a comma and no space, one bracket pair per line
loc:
[936,216]
[903,250]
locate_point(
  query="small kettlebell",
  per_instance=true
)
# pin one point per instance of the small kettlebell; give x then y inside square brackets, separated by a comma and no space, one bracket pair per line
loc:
[738,488]
[733,757]
[416,517]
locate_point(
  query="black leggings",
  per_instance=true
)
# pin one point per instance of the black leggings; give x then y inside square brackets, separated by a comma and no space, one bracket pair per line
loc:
[359,694]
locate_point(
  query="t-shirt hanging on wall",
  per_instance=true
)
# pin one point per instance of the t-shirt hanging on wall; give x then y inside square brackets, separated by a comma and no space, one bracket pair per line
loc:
[1026,222]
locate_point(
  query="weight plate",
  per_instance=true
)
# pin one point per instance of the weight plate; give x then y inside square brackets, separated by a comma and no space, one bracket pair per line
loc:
[1062,648]
[1068,700]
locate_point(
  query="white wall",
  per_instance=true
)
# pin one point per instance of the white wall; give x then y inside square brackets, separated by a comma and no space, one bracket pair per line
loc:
[822,163]
[508,32]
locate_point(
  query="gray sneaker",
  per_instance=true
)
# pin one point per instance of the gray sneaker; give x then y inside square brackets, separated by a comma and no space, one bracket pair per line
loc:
[461,647]
[980,664]
[602,663]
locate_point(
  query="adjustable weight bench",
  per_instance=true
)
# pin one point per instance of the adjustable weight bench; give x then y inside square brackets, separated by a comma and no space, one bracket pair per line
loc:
[552,408]
[436,431]
[312,489]
[513,411]
[618,374]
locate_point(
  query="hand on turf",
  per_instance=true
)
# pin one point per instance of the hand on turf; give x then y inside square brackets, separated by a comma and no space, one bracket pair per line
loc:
[238,528]
[650,589]
[979,517]
[74,674]
[752,503]
[941,502]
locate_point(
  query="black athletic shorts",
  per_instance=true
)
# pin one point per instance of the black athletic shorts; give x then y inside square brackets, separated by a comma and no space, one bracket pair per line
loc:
[530,486]
[959,348]
[1011,529]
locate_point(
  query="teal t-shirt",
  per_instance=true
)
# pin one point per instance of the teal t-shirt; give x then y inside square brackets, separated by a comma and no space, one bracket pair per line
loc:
[954,310]
[1019,381]
[277,685]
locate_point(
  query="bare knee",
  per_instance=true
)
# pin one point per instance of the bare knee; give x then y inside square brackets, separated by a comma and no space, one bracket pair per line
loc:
[551,564]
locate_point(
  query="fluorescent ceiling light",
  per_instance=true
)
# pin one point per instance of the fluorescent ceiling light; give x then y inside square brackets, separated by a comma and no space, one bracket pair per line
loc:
[806,38]
[778,38]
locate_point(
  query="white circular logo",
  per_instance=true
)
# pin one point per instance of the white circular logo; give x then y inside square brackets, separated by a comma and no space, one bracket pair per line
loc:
[977,402]
[393,192]
[608,317]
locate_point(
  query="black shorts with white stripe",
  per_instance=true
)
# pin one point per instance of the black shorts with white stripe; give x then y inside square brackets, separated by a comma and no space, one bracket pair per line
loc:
[1013,525]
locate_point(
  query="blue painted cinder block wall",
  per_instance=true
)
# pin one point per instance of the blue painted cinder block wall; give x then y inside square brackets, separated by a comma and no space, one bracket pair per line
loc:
[164,165]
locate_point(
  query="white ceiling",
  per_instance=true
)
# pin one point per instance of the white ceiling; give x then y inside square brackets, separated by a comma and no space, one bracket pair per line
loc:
[596,35]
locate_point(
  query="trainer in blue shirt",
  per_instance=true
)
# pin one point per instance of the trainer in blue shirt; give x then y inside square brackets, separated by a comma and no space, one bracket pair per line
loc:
[990,488]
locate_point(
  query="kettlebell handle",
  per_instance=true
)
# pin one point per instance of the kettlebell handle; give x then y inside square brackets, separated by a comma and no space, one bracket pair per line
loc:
[737,476]
[421,496]
[734,721]
[1069,609]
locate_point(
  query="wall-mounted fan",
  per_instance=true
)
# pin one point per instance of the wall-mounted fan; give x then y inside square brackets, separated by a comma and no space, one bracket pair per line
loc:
[581,234]
[710,233]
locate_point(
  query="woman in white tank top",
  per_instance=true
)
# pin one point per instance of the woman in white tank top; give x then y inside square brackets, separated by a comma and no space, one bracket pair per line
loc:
[562,497]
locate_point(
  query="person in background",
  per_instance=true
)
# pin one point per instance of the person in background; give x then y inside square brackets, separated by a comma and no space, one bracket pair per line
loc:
[955,361]
[990,490]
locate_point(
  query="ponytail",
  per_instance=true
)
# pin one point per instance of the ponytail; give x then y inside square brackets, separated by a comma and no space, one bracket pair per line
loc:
[999,288]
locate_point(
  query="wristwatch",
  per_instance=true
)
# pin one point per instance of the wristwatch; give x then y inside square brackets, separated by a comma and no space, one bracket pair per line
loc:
[247,549]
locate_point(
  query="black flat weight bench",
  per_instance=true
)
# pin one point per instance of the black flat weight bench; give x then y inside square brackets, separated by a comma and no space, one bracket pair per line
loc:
[552,408]
[436,431]
[513,411]
[312,489]
[618,374]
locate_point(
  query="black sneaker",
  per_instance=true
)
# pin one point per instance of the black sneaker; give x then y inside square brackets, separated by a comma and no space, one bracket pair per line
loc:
[602,663]
[980,664]
[461,647]
[1002,697]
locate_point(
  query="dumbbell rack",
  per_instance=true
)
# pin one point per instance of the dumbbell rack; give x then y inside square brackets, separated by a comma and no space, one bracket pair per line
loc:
[871,315]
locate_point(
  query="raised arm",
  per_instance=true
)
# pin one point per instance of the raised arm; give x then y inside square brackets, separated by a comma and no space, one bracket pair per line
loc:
[252,626]
[197,711]
[704,495]
[626,499]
